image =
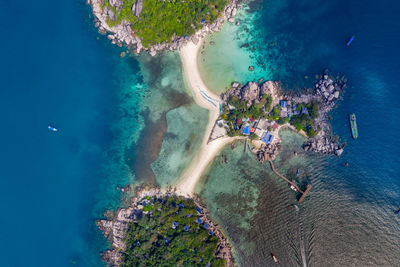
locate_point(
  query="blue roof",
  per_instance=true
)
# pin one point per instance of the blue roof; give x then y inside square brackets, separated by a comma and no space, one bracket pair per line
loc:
[304,110]
[181,205]
[267,138]
[205,226]
[186,228]
[198,220]
[210,232]
[166,240]
[296,112]
[203,20]
[198,210]
[173,204]
[246,130]
[174,225]
[283,103]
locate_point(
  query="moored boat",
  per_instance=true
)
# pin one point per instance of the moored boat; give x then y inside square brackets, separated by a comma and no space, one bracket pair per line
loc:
[274,258]
[353,125]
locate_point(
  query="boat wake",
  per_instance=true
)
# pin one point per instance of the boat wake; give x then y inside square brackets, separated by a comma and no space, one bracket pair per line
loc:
[301,238]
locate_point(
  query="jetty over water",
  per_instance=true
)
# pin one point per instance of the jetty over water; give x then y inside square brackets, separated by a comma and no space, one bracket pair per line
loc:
[304,193]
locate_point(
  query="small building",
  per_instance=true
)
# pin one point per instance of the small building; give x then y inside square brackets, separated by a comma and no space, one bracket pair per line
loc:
[296,112]
[283,114]
[283,103]
[205,226]
[246,130]
[304,110]
[198,220]
[267,138]
[174,225]
[186,228]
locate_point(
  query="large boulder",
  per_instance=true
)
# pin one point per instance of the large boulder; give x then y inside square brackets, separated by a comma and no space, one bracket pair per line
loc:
[109,13]
[118,4]
[139,7]
[269,88]
[250,92]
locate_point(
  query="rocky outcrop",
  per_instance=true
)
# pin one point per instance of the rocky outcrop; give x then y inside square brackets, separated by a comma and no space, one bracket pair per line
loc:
[137,8]
[325,145]
[118,4]
[122,33]
[252,91]
[267,152]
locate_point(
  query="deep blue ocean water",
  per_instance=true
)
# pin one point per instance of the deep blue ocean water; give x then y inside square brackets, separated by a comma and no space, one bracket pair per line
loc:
[53,185]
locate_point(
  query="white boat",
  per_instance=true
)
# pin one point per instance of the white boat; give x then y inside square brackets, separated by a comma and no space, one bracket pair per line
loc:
[51,128]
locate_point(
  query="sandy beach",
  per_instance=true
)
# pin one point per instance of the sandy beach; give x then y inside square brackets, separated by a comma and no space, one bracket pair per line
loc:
[208,100]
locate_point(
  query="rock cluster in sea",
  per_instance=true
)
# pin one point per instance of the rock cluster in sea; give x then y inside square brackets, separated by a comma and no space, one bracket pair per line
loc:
[122,34]
[267,152]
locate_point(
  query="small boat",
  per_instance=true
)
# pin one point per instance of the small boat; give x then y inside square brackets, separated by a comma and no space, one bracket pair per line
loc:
[51,128]
[353,124]
[274,258]
[350,40]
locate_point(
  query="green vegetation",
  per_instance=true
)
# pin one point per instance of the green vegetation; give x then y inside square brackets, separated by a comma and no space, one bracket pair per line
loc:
[152,241]
[243,113]
[160,20]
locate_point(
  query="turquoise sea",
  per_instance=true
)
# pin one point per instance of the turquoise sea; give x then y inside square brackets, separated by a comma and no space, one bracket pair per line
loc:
[132,120]
[348,218]
[120,121]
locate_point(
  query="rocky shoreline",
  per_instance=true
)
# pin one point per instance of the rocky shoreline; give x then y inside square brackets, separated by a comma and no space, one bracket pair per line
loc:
[122,34]
[114,227]
[326,93]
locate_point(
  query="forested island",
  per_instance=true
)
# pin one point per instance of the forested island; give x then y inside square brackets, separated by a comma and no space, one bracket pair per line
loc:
[163,229]
[152,25]
[258,110]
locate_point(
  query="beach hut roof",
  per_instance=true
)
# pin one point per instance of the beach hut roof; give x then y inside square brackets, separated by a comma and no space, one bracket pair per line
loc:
[246,130]
[267,138]
[210,232]
[205,226]
[198,220]
[198,210]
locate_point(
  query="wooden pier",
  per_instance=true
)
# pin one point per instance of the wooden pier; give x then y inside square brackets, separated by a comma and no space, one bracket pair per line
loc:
[304,193]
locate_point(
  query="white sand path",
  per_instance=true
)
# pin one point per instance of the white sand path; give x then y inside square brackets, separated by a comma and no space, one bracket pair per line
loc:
[208,100]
